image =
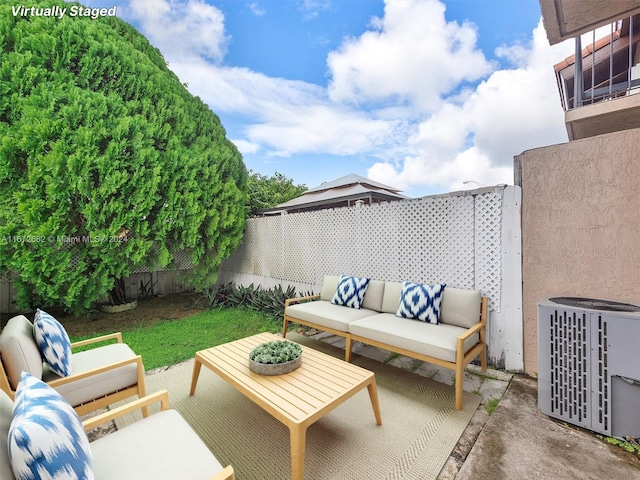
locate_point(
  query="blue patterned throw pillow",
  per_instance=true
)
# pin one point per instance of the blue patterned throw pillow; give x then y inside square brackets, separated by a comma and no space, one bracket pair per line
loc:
[421,301]
[46,438]
[350,291]
[53,342]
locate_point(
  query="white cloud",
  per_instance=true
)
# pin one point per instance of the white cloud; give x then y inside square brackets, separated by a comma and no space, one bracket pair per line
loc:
[470,164]
[411,55]
[182,28]
[244,146]
[286,117]
[257,10]
[311,8]
[322,129]
[511,111]
[403,92]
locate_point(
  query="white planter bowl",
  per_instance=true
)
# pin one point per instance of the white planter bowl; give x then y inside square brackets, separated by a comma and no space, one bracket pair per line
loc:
[119,308]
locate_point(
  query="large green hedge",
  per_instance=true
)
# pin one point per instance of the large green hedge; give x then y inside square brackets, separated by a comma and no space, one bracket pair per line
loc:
[106,161]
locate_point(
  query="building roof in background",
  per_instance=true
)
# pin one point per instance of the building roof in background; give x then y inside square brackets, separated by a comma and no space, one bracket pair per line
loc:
[352,179]
[341,192]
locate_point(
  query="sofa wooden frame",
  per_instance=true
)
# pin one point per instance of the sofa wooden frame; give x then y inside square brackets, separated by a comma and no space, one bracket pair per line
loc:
[462,359]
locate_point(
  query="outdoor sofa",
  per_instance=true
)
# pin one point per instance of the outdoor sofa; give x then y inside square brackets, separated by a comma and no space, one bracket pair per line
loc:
[456,337]
[160,446]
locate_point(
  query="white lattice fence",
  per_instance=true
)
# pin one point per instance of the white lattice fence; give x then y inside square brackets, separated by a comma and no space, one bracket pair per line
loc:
[488,243]
[453,238]
[449,238]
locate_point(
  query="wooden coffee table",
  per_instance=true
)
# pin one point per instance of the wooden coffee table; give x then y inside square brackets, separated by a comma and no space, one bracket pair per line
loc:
[296,399]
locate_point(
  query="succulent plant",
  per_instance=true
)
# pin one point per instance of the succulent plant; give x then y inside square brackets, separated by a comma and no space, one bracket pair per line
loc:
[279,351]
[269,301]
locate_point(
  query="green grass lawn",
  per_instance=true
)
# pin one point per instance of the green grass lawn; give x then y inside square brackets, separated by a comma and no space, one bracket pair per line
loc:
[173,341]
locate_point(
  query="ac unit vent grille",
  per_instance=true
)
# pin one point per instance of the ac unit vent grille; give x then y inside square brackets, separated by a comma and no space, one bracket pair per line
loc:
[603,374]
[569,362]
[586,375]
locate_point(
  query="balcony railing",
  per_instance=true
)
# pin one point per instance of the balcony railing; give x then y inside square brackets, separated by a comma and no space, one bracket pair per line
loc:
[605,69]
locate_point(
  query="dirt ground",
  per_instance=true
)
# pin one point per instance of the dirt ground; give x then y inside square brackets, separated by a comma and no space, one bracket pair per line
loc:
[151,310]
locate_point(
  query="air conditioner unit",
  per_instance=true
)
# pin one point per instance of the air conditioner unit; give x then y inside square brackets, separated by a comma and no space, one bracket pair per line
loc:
[589,368]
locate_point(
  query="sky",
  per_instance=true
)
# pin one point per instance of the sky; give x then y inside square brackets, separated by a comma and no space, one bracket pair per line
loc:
[421,95]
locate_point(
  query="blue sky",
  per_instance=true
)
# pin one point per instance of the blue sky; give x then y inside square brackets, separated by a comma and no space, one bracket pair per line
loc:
[417,94]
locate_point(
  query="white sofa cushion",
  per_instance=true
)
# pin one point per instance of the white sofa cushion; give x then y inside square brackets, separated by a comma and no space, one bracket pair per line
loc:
[391,298]
[437,341]
[372,297]
[460,307]
[96,386]
[162,446]
[329,286]
[326,314]
[6,407]
[19,350]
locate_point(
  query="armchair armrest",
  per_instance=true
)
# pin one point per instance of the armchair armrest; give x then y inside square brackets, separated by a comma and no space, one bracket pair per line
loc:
[72,378]
[111,336]
[479,327]
[226,474]
[475,329]
[162,396]
[289,301]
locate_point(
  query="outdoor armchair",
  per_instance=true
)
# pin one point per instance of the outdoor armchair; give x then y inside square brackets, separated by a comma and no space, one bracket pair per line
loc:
[98,377]
[159,446]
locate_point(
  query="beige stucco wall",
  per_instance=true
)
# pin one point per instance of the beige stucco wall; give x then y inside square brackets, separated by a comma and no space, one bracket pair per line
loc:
[580,224]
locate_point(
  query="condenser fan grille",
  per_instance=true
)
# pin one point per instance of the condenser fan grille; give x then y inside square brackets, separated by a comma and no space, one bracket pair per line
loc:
[595,304]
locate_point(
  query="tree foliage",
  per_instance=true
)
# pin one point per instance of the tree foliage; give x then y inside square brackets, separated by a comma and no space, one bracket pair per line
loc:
[267,192]
[106,161]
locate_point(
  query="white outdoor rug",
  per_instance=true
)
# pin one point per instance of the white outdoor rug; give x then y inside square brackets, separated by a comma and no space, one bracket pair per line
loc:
[420,426]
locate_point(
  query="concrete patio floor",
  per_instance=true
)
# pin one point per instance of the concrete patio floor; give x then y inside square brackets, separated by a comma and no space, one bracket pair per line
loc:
[516,440]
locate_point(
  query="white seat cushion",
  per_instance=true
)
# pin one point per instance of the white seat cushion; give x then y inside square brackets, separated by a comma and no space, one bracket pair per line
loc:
[437,341]
[19,350]
[391,297]
[372,297]
[460,307]
[328,315]
[161,446]
[6,408]
[96,386]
